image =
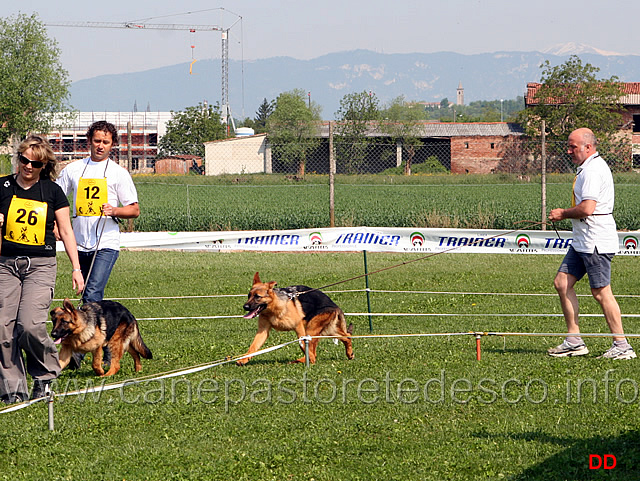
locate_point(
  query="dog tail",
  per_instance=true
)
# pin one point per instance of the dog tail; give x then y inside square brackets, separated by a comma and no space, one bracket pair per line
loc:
[140,347]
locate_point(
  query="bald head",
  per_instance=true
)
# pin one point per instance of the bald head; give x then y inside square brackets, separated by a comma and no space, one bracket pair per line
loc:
[582,145]
[586,135]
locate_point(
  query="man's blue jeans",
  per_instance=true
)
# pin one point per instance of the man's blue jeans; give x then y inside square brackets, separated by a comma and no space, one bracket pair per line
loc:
[102,266]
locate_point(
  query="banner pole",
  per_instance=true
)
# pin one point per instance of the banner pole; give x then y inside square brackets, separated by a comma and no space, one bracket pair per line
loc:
[366,283]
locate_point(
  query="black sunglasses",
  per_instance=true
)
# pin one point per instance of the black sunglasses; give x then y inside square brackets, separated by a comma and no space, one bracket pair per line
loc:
[35,163]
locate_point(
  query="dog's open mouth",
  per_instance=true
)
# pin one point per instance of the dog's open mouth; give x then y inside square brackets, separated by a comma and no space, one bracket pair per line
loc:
[255,312]
[60,339]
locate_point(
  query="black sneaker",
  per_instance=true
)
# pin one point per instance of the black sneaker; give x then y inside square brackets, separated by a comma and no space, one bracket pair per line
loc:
[13,398]
[106,357]
[40,389]
[76,360]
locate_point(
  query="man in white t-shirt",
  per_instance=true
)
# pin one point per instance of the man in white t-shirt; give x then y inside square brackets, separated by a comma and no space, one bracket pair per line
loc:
[595,242]
[103,192]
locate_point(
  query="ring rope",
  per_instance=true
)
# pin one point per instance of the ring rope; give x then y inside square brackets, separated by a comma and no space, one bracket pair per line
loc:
[202,367]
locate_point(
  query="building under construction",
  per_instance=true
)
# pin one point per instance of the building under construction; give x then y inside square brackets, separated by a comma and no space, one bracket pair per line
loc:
[138,133]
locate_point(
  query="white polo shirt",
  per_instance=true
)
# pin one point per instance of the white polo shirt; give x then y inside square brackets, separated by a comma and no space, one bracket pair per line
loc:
[121,191]
[595,182]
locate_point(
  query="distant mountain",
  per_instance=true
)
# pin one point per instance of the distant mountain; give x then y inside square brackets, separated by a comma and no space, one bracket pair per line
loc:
[417,76]
[573,48]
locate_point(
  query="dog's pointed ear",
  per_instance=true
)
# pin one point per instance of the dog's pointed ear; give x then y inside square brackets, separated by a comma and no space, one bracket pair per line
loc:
[272,284]
[256,278]
[67,305]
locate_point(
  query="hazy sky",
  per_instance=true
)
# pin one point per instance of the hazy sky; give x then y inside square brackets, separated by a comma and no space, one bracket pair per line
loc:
[304,30]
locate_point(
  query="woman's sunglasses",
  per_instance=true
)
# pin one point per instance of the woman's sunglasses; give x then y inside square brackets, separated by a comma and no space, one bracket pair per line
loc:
[35,163]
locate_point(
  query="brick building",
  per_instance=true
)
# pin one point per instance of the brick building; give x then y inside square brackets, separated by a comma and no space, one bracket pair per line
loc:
[630,101]
[460,147]
[475,148]
[179,164]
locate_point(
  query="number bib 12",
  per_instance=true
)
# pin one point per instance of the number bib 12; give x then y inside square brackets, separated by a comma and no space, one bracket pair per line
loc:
[26,221]
[92,193]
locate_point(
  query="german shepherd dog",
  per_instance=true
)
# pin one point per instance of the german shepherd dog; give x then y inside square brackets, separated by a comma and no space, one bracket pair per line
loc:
[94,326]
[301,309]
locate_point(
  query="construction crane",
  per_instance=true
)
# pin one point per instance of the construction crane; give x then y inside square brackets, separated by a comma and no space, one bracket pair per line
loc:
[226,108]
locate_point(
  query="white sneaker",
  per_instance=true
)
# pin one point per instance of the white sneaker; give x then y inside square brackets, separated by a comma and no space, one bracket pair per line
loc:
[616,352]
[566,349]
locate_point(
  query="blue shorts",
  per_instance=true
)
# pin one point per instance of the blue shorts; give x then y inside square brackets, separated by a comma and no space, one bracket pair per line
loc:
[597,266]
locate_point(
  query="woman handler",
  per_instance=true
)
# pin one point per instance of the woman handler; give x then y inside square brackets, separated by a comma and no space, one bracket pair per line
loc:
[30,202]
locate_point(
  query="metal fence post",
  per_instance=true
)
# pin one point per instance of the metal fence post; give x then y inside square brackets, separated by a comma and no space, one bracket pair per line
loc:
[543,178]
[129,147]
[188,210]
[50,395]
[332,172]
[366,283]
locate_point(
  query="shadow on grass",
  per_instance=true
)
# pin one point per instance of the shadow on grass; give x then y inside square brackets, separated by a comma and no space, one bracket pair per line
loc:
[496,350]
[573,462]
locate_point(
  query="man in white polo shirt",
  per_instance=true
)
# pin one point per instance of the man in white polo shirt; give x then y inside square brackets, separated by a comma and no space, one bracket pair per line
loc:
[595,242]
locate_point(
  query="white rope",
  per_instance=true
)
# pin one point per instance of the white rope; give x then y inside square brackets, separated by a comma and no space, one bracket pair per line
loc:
[132,382]
[547,334]
[487,314]
[514,294]
[386,314]
[194,369]
[383,291]
[20,406]
[385,336]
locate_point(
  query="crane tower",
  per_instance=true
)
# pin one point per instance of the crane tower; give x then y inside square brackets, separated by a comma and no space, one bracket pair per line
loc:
[224,100]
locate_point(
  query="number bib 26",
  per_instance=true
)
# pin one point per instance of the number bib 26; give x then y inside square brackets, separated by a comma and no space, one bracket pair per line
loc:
[26,221]
[92,193]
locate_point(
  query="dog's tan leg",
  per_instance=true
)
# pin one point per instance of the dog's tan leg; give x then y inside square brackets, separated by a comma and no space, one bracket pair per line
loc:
[136,359]
[301,330]
[114,368]
[115,346]
[315,327]
[345,332]
[346,340]
[258,341]
[97,362]
[64,357]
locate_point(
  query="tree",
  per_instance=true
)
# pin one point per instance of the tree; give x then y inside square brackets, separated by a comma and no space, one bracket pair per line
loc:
[33,84]
[262,116]
[358,113]
[189,129]
[404,123]
[293,129]
[571,97]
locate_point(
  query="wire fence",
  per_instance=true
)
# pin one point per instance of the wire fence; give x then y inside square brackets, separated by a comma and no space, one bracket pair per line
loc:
[378,155]
[254,185]
[466,182]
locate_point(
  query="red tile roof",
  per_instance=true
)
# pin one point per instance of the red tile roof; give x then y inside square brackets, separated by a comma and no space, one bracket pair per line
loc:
[631,94]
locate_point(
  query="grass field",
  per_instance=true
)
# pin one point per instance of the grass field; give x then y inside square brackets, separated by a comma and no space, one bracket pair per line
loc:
[255,202]
[410,408]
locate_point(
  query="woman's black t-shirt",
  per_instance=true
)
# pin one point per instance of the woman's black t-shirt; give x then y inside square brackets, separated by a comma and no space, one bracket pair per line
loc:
[44,190]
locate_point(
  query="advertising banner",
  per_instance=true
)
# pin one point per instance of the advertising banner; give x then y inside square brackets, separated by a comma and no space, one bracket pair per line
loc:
[374,239]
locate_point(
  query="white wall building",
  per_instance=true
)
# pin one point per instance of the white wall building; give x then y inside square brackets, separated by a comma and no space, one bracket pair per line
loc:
[240,155]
